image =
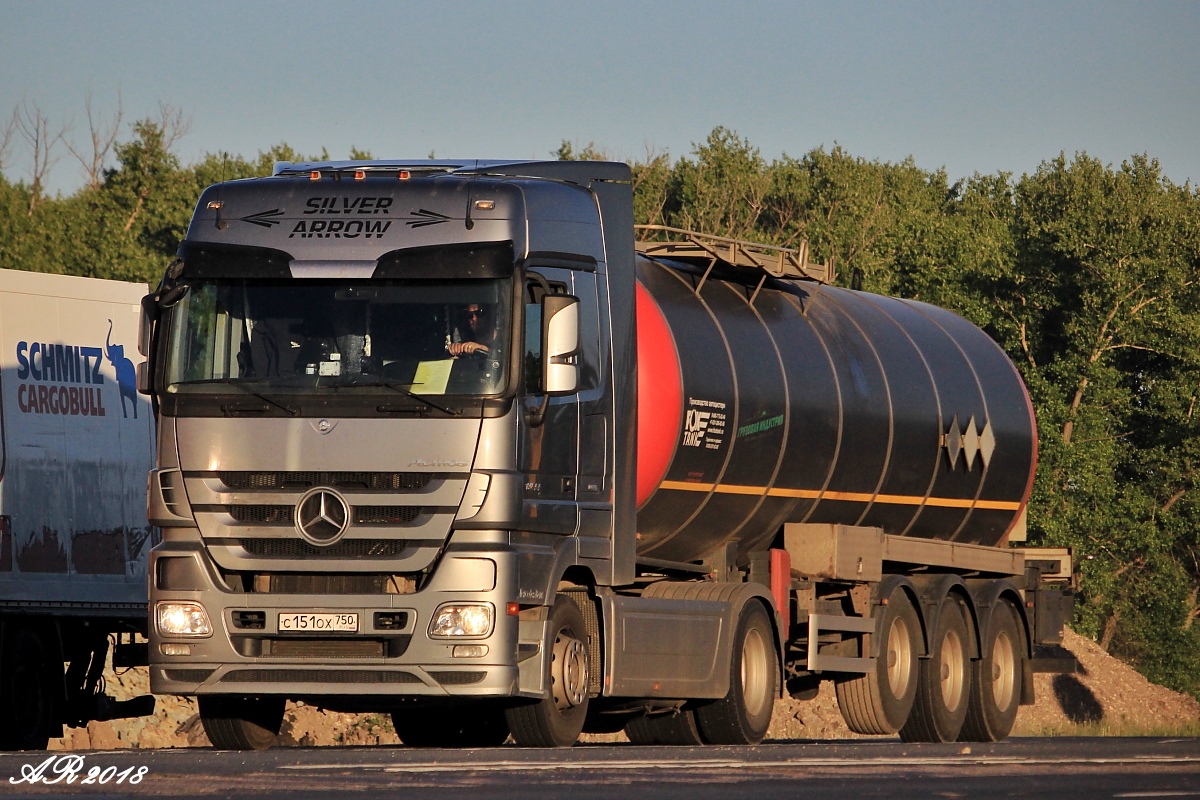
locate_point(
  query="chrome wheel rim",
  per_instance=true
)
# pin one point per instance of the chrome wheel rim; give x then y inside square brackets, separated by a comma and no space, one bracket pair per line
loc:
[755,668]
[899,657]
[1003,669]
[952,668]
[568,671]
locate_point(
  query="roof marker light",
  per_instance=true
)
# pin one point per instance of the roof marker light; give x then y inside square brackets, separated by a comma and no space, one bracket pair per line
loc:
[315,175]
[359,174]
[403,174]
[213,205]
[485,205]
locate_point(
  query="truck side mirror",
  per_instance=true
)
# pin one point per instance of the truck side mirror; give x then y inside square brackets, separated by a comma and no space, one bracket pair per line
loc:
[146,323]
[143,378]
[560,338]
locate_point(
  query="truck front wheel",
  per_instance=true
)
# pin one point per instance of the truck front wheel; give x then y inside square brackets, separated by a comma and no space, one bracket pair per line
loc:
[743,715]
[996,680]
[28,694]
[557,719]
[944,680]
[241,723]
[477,725]
[676,727]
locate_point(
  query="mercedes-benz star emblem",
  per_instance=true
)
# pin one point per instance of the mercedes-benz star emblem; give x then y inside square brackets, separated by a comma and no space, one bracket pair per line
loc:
[322,516]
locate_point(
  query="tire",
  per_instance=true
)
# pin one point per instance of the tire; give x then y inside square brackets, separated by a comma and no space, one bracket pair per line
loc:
[477,725]
[944,680]
[29,697]
[678,728]
[743,715]
[996,679]
[557,719]
[241,723]
[879,702]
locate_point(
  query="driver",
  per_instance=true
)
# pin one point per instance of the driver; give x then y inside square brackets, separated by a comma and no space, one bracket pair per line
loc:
[476,334]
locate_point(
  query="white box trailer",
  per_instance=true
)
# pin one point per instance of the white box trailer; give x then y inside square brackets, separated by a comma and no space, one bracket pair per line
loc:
[76,443]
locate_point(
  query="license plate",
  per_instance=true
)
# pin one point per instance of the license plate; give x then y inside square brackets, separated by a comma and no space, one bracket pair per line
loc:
[318,622]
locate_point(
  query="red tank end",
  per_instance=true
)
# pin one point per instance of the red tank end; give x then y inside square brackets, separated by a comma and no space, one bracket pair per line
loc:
[660,396]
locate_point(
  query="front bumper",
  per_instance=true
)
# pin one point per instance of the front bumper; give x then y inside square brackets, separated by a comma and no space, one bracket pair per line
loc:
[391,654]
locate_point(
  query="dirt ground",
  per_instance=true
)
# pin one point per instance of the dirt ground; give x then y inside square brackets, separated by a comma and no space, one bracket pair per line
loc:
[1107,697]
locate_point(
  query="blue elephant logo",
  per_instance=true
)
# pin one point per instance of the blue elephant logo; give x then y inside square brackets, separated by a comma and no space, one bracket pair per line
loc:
[126,374]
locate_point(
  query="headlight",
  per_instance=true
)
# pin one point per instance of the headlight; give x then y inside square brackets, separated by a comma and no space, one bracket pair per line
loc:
[183,619]
[461,619]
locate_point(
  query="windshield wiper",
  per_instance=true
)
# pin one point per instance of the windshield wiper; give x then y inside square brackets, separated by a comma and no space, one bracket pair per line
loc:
[396,387]
[285,408]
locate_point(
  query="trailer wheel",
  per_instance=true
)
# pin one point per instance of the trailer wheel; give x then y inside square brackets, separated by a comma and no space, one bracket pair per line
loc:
[557,719]
[241,723]
[678,728]
[879,701]
[477,725]
[743,715]
[943,682]
[996,680]
[28,695]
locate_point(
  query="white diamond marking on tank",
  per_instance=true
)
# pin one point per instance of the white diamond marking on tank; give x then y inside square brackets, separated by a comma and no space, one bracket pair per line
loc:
[954,442]
[970,444]
[987,443]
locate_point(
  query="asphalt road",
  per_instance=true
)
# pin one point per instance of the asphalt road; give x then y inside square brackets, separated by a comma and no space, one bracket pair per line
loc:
[1061,768]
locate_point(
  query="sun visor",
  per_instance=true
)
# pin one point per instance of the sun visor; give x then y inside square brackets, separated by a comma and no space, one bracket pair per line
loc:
[462,261]
[207,260]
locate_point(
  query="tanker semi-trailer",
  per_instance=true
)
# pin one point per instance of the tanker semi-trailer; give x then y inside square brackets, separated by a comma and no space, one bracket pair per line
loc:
[441,439]
[76,442]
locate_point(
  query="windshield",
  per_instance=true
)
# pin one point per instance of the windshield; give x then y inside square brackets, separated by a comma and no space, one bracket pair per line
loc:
[424,337]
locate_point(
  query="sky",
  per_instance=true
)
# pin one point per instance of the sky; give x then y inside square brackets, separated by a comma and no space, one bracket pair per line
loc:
[966,86]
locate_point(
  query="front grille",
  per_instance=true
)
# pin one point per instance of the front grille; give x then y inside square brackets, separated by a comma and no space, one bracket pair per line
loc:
[362,515]
[262,515]
[320,583]
[325,648]
[346,548]
[457,678]
[385,515]
[317,676]
[372,481]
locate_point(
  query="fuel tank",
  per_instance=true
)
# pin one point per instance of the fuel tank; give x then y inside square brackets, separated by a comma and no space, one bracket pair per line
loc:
[810,403]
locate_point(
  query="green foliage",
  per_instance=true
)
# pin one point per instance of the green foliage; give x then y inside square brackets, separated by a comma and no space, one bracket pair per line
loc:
[1083,272]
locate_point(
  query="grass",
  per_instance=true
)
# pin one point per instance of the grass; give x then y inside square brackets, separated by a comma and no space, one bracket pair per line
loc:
[1119,729]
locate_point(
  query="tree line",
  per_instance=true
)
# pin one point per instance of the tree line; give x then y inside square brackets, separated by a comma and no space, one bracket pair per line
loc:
[1084,272]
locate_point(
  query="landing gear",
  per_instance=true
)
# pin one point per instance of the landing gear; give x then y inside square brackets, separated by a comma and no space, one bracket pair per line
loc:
[879,702]
[996,679]
[557,720]
[743,715]
[241,723]
[944,680]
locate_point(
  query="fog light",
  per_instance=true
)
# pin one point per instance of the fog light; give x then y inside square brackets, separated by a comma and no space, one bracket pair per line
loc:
[169,649]
[461,619]
[470,650]
[183,619]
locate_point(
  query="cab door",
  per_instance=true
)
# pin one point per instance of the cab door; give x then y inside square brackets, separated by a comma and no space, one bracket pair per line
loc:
[549,446]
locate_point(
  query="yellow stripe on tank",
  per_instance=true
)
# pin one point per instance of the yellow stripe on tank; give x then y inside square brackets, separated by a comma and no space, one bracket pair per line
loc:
[854,497]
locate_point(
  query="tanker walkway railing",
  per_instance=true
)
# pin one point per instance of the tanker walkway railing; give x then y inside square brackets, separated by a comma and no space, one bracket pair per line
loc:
[773,261]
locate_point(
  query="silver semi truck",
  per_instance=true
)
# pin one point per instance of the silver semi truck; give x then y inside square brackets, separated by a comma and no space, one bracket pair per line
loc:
[441,439]
[76,441]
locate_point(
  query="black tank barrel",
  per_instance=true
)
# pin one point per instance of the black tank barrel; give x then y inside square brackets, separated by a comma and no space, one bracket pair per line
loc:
[811,403]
